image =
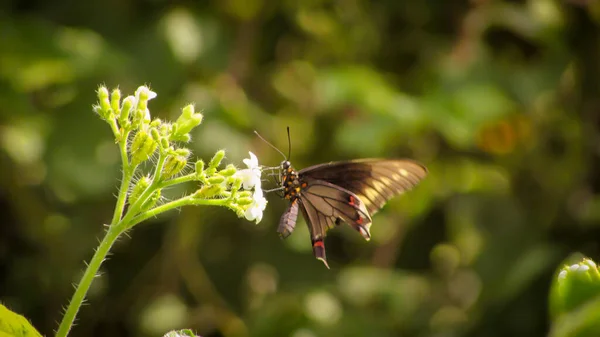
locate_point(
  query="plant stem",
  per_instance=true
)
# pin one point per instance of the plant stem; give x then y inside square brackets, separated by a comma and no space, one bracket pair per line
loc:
[125,181]
[84,284]
[135,208]
[178,180]
[189,200]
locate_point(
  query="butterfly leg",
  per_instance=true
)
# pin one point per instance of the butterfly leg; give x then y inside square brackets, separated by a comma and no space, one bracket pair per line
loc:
[319,251]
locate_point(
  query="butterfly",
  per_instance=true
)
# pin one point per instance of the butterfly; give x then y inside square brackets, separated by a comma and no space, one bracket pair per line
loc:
[348,192]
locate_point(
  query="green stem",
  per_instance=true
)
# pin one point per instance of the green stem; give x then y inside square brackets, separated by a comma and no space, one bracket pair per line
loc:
[125,182]
[189,200]
[135,208]
[178,180]
[84,285]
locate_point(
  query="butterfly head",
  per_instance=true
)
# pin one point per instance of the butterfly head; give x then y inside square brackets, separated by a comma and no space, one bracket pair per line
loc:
[285,165]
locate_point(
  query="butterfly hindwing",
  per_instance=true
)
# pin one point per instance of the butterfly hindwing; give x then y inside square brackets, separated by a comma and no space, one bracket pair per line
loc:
[333,202]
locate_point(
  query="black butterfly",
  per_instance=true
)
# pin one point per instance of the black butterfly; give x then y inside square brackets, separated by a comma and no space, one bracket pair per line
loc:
[346,191]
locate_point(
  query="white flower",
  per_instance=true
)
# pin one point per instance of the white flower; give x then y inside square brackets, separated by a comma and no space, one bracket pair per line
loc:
[250,176]
[148,93]
[255,211]
[251,180]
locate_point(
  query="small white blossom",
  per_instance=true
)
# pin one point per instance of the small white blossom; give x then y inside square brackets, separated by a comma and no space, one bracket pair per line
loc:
[255,211]
[150,94]
[250,176]
[251,180]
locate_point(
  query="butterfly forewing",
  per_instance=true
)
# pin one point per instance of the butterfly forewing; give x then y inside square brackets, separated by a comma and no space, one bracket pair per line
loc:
[374,181]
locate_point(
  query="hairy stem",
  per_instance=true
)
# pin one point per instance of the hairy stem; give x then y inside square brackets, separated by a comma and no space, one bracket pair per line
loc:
[86,280]
[125,181]
[135,208]
[189,200]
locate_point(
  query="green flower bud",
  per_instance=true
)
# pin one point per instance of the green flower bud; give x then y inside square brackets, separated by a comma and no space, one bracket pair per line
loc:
[151,202]
[187,120]
[209,191]
[183,152]
[244,194]
[199,166]
[115,101]
[216,160]
[181,333]
[126,108]
[244,201]
[183,138]
[156,123]
[103,98]
[142,147]
[155,135]
[173,165]
[138,189]
[236,184]
[164,143]
[574,286]
[216,179]
[228,171]
[165,129]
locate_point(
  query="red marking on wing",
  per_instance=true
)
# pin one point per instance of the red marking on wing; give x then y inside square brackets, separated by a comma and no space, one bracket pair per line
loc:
[318,244]
[352,201]
[360,221]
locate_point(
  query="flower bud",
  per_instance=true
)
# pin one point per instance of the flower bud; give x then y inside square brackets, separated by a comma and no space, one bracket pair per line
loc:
[186,122]
[164,143]
[126,108]
[199,166]
[142,147]
[228,171]
[138,189]
[209,191]
[574,286]
[236,184]
[115,100]
[151,201]
[155,135]
[183,152]
[156,123]
[103,98]
[216,180]
[216,160]
[244,201]
[173,165]
[245,194]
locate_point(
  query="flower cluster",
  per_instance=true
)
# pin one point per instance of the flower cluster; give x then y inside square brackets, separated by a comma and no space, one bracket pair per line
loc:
[143,138]
[251,179]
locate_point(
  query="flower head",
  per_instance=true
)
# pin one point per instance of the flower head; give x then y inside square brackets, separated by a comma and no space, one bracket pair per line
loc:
[251,180]
[142,95]
[250,176]
[255,211]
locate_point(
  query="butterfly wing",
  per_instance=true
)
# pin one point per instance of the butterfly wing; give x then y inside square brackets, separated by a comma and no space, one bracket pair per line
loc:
[322,204]
[374,181]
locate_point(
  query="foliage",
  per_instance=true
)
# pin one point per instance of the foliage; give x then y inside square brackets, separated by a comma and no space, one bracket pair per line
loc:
[498,98]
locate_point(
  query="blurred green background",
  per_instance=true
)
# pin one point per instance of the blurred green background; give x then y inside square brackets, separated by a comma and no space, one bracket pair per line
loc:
[500,99]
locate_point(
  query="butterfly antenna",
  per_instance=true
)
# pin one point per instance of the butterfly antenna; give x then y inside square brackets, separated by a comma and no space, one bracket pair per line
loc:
[271,145]
[289,144]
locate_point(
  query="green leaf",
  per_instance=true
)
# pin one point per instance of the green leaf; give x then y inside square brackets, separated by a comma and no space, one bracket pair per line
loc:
[12,324]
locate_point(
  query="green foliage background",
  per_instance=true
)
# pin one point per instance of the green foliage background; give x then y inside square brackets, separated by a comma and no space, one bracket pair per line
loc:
[500,99]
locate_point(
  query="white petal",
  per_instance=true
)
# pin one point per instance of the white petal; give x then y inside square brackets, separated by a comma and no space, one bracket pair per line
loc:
[251,162]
